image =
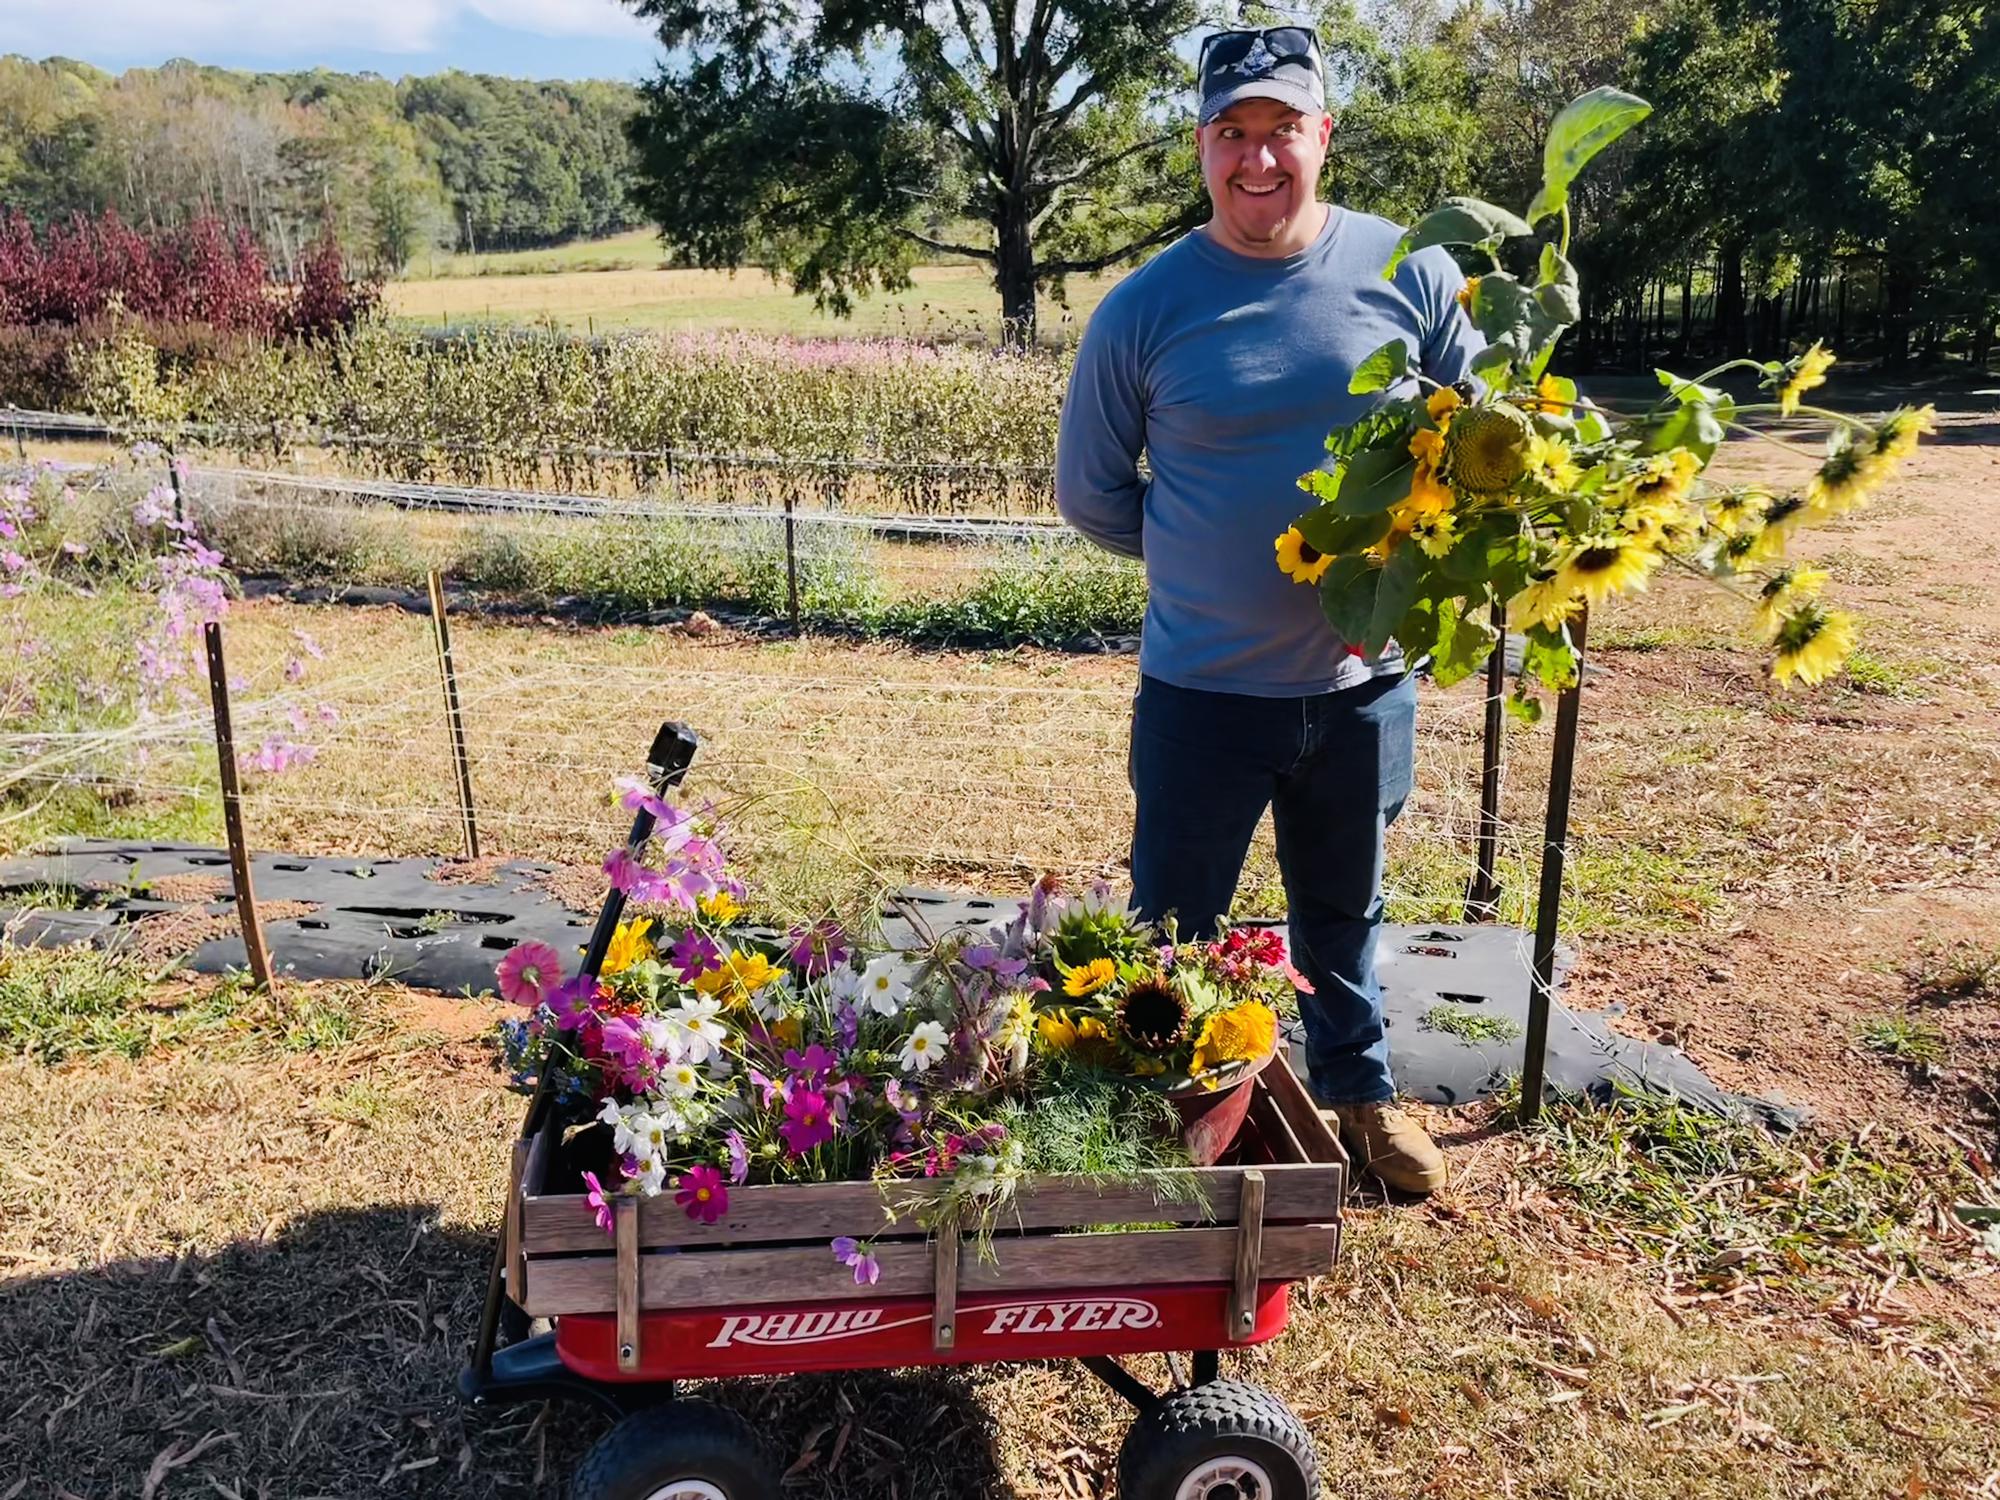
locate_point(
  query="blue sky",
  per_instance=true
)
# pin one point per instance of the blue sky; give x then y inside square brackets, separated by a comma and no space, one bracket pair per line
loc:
[518,38]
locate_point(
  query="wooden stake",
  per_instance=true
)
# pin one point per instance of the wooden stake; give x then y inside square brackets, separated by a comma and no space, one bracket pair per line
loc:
[625,1228]
[1249,1258]
[174,478]
[232,810]
[455,722]
[944,1286]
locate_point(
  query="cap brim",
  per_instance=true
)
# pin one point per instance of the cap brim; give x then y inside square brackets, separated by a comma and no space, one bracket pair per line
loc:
[1297,95]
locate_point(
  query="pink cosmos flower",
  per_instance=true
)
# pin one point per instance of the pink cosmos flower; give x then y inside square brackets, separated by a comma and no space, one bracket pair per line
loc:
[529,973]
[739,1157]
[702,1194]
[570,1001]
[694,954]
[598,1202]
[808,1121]
[818,949]
[815,1062]
[852,1252]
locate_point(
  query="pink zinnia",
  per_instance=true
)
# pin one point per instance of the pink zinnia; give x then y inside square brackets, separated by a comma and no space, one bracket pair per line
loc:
[529,973]
[808,1121]
[702,1194]
[596,1199]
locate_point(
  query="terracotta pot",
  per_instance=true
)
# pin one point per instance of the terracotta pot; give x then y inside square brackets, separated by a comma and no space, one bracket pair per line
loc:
[1210,1118]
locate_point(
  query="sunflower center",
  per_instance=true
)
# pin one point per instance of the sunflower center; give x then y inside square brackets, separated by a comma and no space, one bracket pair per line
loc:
[1596,559]
[1308,553]
[1153,1017]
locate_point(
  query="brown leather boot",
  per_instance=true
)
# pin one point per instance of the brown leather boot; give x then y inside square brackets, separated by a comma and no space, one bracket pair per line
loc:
[1389,1144]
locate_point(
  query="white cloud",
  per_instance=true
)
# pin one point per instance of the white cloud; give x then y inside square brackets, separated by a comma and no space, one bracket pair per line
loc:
[287,31]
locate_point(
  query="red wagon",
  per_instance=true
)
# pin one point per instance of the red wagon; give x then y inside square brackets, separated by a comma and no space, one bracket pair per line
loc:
[1197,1260]
[1065,1276]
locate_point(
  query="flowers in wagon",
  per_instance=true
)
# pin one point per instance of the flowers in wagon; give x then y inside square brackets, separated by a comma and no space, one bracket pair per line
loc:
[1514,491]
[924,1047]
[702,1193]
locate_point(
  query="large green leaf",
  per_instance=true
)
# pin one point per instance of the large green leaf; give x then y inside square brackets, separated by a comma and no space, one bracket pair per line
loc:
[1558,293]
[1329,532]
[1456,221]
[1375,479]
[1347,596]
[1586,126]
[1374,429]
[1464,642]
[1548,656]
[1395,591]
[1381,369]
[1500,309]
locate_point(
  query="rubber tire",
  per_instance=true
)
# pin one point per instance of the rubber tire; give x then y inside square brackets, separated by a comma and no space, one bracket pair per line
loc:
[676,1440]
[1201,1422]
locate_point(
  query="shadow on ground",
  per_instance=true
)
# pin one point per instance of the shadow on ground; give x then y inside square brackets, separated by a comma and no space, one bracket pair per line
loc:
[322,1361]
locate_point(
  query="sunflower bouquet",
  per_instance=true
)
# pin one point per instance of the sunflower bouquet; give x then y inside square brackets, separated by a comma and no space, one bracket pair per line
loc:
[1516,493]
[1125,997]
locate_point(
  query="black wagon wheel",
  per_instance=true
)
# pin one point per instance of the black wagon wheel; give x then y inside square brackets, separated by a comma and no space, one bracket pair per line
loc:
[1227,1440]
[680,1450]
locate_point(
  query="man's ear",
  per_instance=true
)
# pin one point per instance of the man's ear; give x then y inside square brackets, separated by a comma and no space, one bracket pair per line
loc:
[1325,129]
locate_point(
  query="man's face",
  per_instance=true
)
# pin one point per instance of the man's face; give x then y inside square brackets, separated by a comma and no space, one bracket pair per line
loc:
[1260,160]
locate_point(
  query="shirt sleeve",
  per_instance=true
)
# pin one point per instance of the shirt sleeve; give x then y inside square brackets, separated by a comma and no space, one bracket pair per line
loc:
[1099,490]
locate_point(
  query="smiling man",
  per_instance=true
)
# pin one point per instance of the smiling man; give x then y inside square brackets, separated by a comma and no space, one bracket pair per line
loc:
[1225,361]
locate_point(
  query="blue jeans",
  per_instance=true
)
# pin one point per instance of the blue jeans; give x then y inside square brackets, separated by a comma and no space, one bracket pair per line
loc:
[1335,770]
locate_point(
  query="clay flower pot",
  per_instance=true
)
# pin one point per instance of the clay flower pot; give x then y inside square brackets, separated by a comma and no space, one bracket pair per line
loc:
[1210,1117]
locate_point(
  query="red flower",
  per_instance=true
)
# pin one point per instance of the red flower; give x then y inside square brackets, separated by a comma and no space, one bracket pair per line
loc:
[702,1193]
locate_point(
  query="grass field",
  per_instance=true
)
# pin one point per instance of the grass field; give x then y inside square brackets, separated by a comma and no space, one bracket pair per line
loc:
[955,301]
[241,1238]
[634,250]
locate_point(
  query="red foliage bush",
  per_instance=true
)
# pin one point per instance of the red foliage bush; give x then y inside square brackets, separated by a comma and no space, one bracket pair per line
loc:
[74,273]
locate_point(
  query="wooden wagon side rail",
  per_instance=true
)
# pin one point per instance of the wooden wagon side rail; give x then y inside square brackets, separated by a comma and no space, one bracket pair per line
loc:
[1234,1227]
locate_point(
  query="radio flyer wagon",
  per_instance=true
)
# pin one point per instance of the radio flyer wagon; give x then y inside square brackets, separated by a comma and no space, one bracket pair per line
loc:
[1068,1273]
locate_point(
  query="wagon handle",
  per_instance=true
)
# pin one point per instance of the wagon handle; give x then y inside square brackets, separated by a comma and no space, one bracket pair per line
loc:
[666,765]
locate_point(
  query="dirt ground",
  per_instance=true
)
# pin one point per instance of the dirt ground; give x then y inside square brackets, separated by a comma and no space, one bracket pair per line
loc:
[249,1267]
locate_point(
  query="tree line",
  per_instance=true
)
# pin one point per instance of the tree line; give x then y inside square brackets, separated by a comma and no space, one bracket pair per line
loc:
[1813,167]
[455,160]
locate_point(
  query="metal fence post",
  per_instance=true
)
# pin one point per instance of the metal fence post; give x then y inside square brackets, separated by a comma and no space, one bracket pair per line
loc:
[1548,901]
[791,565]
[1482,898]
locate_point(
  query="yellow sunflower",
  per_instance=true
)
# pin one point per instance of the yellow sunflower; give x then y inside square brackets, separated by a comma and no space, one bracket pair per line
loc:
[1603,566]
[1435,533]
[1809,372]
[720,907]
[1897,437]
[1780,521]
[1427,447]
[1736,510]
[1061,1032]
[1662,479]
[629,945]
[1242,1033]
[1550,464]
[1467,292]
[1549,398]
[1783,592]
[1429,497]
[1812,644]
[1442,403]
[741,975]
[1088,979]
[1847,476]
[1545,601]
[1298,559]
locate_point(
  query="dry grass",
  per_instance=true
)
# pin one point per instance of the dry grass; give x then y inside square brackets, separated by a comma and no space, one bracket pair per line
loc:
[255,1268]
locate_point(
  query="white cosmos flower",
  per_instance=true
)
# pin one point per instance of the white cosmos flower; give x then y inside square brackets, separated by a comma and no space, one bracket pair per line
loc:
[844,984]
[662,1036]
[680,1080]
[700,1032]
[884,987]
[652,1177]
[644,1136]
[923,1047]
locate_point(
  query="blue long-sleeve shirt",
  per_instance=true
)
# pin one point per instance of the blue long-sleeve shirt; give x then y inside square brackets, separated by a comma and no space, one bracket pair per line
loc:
[1228,372]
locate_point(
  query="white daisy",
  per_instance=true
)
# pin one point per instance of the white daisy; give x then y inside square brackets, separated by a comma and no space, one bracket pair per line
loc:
[700,1032]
